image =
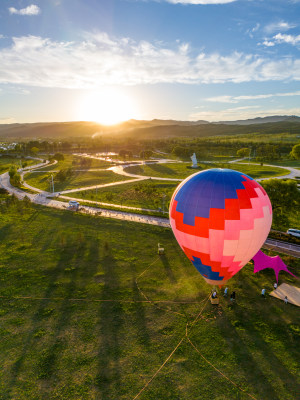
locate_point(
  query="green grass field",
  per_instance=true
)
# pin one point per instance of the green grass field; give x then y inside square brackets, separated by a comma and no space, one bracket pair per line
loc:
[182,170]
[74,161]
[6,162]
[145,194]
[283,163]
[79,179]
[260,137]
[73,325]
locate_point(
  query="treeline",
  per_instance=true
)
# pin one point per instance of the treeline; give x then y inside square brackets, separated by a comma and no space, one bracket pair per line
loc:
[143,148]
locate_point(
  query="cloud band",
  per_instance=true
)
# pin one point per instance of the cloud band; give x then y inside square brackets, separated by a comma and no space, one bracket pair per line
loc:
[100,60]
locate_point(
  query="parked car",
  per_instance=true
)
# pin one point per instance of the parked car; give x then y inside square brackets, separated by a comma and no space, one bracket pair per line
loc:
[294,232]
[73,205]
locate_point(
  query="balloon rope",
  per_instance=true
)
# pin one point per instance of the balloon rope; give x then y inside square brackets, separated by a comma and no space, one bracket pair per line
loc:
[9,298]
[215,368]
[171,354]
[180,342]
[147,298]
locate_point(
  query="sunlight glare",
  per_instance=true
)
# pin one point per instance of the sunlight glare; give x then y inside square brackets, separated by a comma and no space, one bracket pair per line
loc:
[107,107]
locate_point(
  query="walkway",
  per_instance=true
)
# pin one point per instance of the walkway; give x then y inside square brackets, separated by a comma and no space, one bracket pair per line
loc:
[41,199]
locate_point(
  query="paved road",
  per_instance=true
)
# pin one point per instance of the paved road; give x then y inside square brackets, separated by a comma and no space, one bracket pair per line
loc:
[97,186]
[294,172]
[120,169]
[40,198]
[284,247]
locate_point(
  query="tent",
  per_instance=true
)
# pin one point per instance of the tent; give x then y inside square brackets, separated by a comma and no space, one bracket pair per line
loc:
[262,261]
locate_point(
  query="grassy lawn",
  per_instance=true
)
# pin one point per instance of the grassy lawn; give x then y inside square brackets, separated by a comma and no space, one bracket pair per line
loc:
[284,163]
[75,162]
[182,170]
[6,162]
[53,346]
[145,194]
[78,179]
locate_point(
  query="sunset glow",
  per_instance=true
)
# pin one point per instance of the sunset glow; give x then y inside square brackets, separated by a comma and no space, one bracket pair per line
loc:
[107,106]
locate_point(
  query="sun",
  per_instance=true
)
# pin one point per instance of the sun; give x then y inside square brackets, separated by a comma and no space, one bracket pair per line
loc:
[107,106]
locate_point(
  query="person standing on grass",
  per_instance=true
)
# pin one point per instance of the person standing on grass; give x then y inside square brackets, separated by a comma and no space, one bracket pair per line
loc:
[232,296]
[263,292]
[286,300]
[225,292]
[275,286]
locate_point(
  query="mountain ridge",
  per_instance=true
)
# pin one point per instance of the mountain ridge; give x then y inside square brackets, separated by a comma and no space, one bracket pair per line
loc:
[144,128]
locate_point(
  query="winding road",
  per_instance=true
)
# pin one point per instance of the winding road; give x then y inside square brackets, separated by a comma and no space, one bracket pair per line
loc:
[48,199]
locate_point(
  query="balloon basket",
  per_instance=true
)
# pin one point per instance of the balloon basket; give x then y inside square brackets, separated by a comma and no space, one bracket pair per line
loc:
[214,300]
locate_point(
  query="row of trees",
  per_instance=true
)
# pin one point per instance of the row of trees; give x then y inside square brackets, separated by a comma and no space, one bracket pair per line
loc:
[270,152]
[143,154]
[285,199]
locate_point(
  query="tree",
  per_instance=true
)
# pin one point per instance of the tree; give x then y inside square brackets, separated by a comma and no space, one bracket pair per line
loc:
[244,152]
[285,199]
[26,202]
[34,150]
[148,153]
[16,180]
[12,171]
[284,194]
[58,157]
[295,153]
[123,153]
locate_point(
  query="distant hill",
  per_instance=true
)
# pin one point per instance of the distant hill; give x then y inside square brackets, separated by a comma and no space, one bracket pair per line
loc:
[149,129]
[264,120]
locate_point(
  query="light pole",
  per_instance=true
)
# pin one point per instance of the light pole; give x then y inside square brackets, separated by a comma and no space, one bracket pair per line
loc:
[52,184]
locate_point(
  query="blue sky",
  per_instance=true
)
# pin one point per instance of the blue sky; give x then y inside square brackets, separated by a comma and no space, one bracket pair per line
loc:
[63,60]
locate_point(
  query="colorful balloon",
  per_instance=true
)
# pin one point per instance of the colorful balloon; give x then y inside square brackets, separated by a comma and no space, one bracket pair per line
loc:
[220,218]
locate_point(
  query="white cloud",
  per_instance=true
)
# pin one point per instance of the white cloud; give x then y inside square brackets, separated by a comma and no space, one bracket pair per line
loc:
[233,114]
[236,99]
[202,2]
[268,43]
[279,26]
[222,99]
[30,10]
[101,60]
[284,38]
[7,120]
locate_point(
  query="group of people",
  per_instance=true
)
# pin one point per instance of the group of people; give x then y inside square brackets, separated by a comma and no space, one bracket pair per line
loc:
[232,295]
[263,293]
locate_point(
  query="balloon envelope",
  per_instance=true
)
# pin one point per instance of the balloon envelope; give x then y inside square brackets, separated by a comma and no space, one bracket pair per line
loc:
[220,218]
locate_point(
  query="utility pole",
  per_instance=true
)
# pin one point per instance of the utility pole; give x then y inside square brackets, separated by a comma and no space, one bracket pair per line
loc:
[52,184]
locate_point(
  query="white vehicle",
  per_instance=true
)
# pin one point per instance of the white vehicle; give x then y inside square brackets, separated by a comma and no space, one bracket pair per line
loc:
[73,205]
[294,232]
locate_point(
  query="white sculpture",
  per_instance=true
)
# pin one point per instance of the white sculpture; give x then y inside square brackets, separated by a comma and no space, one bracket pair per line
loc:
[194,161]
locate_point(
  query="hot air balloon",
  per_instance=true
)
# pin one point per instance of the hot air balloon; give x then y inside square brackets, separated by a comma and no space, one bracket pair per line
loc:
[220,218]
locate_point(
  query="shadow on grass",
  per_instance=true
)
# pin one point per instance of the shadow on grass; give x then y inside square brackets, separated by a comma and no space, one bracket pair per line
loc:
[47,359]
[140,317]
[265,335]
[108,379]
[162,169]
[168,269]
[252,353]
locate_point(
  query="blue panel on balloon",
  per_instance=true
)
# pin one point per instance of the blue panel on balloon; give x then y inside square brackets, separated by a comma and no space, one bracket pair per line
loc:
[206,190]
[205,270]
